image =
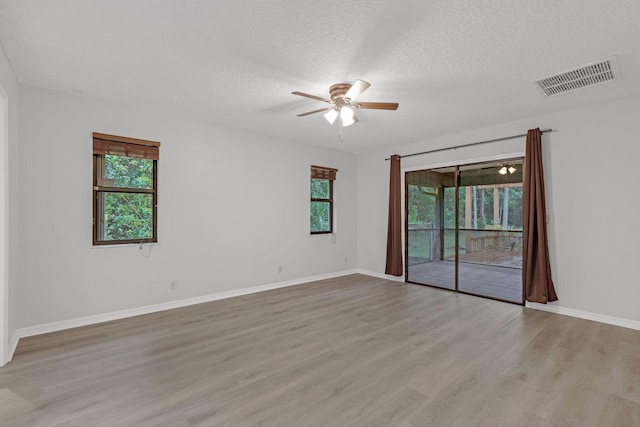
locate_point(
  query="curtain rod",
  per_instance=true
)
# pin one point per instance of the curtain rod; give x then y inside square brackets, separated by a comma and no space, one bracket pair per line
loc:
[469,145]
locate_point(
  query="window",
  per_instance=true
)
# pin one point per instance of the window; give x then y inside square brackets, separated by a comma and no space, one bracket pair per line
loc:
[322,199]
[125,190]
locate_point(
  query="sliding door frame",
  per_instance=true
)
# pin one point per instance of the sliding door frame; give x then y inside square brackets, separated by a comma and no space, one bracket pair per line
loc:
[456,165]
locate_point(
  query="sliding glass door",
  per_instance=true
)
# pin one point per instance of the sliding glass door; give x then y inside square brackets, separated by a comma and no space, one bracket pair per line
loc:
[431,205]
[490,232]
[464,229]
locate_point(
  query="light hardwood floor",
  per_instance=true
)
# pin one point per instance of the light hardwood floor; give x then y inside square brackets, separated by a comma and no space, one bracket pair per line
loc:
[348,351]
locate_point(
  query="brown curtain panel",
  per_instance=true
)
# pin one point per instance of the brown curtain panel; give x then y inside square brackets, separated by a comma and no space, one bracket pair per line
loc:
[394,230]
[536,270]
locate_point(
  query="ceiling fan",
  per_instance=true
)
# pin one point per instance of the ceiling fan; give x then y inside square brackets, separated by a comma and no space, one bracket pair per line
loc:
[342,102]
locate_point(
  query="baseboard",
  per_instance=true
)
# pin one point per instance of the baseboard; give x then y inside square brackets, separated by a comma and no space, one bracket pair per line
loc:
[617,321]
[380,275]
[552,308]
[12,345]
[107,317]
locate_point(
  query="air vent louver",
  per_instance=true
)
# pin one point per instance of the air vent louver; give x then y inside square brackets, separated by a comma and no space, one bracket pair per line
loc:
[589,75]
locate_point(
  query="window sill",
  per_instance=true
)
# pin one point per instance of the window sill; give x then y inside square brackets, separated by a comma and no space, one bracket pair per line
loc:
[123,245]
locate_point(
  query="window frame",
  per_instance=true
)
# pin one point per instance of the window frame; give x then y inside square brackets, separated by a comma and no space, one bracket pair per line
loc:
[138,146]
[326,174]
[330,201]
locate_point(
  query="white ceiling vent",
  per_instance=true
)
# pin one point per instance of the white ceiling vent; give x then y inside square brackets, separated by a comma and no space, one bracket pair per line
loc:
[588,75]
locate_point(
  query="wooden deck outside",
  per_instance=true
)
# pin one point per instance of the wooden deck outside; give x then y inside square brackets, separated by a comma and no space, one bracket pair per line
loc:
[500,257]
[493,272]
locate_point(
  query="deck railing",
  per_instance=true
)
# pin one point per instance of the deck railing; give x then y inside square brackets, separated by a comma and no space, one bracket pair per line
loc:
[424,244]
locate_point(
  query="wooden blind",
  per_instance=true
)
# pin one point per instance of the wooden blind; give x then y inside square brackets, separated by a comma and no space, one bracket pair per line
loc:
[321,172]
[122,146]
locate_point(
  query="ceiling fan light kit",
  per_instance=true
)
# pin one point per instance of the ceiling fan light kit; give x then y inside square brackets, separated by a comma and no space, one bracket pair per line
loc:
[342,103]
[331,115]
[347,116]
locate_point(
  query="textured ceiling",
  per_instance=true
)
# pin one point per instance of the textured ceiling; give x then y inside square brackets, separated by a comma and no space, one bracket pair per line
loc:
[452,65]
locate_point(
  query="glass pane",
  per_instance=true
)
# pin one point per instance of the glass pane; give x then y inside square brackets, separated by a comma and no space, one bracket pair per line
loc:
[320,189]
[320,216]
[128,216]
[127,172]
[490,241]
[429,245]
[490,264]
[450,208]
[423,214]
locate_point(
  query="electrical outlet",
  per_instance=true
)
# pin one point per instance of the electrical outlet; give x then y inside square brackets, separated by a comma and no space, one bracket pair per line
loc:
[345,260]
[279,269]
[173,284]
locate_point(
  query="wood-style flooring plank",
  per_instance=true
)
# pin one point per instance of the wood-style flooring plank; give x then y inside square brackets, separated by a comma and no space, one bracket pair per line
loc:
[349,351]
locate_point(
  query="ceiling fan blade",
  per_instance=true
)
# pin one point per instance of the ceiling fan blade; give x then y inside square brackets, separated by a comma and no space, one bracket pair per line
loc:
[358,87]
[306,95]
[314,111]
[377,105]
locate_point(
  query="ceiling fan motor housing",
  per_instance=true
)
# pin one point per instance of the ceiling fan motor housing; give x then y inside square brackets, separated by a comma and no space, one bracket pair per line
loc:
[337,92]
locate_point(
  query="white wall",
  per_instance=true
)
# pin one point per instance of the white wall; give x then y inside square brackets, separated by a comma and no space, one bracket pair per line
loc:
[8,206]
[591,171]
[232,207]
